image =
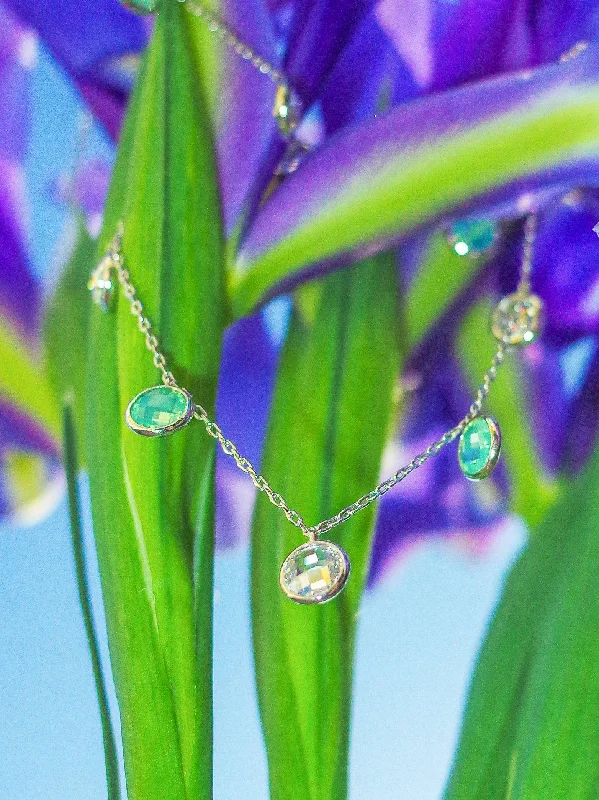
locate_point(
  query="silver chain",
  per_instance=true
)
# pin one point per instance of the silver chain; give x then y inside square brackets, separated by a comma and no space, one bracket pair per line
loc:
[225,34]
[418,460]
[530,233]
[116,255]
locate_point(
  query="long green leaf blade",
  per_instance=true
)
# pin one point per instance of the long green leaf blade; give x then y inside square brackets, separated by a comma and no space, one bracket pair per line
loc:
[329,423]
[531,728]
[66,328]
[71,467]
[157,566]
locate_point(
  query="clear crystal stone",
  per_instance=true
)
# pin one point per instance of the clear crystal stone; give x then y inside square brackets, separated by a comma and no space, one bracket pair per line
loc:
[101,284]
[517,319]
[314,572]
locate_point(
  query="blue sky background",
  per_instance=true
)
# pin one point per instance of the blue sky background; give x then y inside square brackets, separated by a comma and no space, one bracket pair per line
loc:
[418,634]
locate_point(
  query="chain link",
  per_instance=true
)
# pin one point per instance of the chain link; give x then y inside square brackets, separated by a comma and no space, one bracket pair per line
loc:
[418,460]
[229,448]
[245,465]
[530,233]
[137,309]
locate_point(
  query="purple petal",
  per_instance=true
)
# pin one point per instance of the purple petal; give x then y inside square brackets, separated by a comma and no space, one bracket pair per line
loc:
[436,500]
[360,83]
[247,375]
[20,437]
[326,206]
[86,189]
[19,294]
[566,267]
[448,44]
[583,423]
[87,37]
[320,29]
[564,388]
[247,138]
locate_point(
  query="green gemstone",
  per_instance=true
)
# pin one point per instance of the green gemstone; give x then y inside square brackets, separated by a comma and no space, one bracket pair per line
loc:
[141,6]
[479,448]
[159,410]
[473,236]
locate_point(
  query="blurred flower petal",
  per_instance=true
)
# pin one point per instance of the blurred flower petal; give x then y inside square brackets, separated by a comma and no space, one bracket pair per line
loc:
[247,375]
[29,464]
[87,37]
[566,266]
[248,141]
[19,294]
[319,31]
[352,193]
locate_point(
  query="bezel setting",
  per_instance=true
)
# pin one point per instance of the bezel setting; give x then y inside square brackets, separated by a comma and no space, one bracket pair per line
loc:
[342,561]
[164,430]
[494,450]
[506,326]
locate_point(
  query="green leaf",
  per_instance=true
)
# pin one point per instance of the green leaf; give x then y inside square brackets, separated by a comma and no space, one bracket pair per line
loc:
[532,728]
[532,490]
[330,420]
[65,328]
[71,466]
[152,499]
[24,382]
[439,280]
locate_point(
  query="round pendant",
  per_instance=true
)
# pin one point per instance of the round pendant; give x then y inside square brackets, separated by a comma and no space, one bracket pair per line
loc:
[314,572]
[479,448]
[517,319]
[159,410]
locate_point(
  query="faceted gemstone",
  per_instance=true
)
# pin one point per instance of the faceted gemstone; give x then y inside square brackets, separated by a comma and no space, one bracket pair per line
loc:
[101,284]
[142,6]
[314,572]
[159,410]
[473,236]
[287,110]
[479,447]
[517,319]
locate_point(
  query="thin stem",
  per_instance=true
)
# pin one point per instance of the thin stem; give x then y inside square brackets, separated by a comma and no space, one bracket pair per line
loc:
[71,469]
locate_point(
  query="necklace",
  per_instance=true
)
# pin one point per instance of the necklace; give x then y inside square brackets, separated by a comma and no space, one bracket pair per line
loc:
[317,570]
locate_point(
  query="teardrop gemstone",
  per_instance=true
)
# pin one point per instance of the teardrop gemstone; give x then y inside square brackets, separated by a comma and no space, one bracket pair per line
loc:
[159,410]
[314,572]
[479,448]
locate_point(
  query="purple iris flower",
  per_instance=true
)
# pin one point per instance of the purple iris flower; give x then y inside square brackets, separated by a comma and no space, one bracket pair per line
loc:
[375,78]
